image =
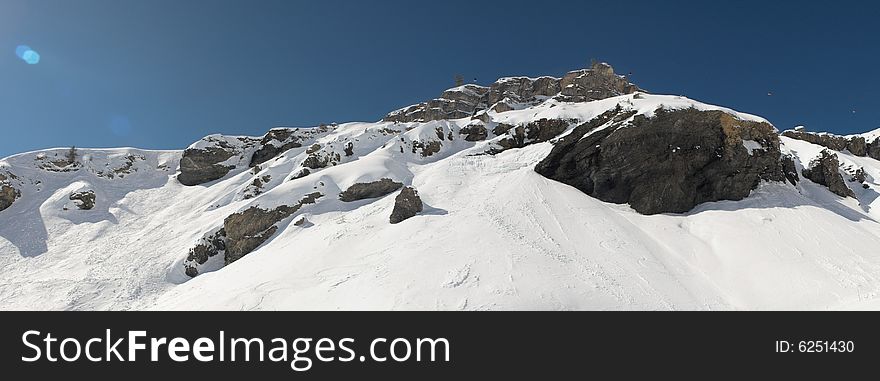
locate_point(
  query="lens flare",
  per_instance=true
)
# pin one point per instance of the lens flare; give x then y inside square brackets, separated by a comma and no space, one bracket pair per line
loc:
[120,125]
[27,54]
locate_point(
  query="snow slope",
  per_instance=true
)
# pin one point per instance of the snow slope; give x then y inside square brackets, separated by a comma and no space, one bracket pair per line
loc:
[494,235]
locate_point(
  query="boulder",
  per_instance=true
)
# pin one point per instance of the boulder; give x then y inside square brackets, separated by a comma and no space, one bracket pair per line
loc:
[8,195]
[302,173]
[375,189]
[668,163]
[407,204]
[825,170]
[199,166]
[84,200]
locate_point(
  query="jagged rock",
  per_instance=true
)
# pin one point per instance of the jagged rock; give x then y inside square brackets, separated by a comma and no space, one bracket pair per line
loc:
[502,107]
[501,129]
[269,149]
[521,89]
[873,149]
[790,170]
[406,205]
[84,200]
[459,102]
[209,246]
[247,230]
[199,166]
[668,163]
[256,187]
[855,145]
[825,170]
[535,132]
[426,148]
[375,189]
[302,173]
[8,195]
[859,175]
[597,82]
[474,132]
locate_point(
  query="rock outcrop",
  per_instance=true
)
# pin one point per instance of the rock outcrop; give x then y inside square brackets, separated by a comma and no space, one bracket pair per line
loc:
[407,204]
[210,245]
[668,163]
[474,132]
[459,102]
[535,132]
[275,142]
[825,170]
[597,82]
[8,195]
[199,166]
[873,149]
[854,144]
[248,229]
[84,200]
[375,189]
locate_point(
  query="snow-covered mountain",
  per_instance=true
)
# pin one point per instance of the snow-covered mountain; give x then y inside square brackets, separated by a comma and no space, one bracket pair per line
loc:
[579,192]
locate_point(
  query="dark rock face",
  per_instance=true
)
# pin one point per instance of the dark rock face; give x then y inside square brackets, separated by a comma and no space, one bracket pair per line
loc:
[302,173]
[375,189]
[855,145]
[199,166]
[426,149]
[790,170]
[268,152]
[474,132]
[668,163]
[247,230]
[824,170]
[597,82]
[535,132]
[8,195]
[406,205]
[873,149]
[84,200]
[209,246]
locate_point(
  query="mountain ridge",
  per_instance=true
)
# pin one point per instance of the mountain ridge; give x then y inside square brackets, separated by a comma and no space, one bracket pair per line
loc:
[304,218]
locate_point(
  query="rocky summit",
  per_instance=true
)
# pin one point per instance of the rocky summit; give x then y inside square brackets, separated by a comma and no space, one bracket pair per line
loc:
[578,190]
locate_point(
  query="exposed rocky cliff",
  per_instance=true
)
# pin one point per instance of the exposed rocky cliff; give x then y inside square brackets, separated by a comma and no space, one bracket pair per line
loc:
[825,170]
[597,82]
[667,163]
[854,144]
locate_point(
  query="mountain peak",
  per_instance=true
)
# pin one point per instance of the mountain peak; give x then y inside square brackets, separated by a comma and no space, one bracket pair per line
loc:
[507,93]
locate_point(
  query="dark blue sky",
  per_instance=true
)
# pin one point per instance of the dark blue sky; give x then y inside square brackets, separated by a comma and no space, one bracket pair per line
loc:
[163,73]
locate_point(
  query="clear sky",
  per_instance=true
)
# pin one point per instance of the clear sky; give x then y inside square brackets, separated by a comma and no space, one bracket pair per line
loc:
[163,73]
